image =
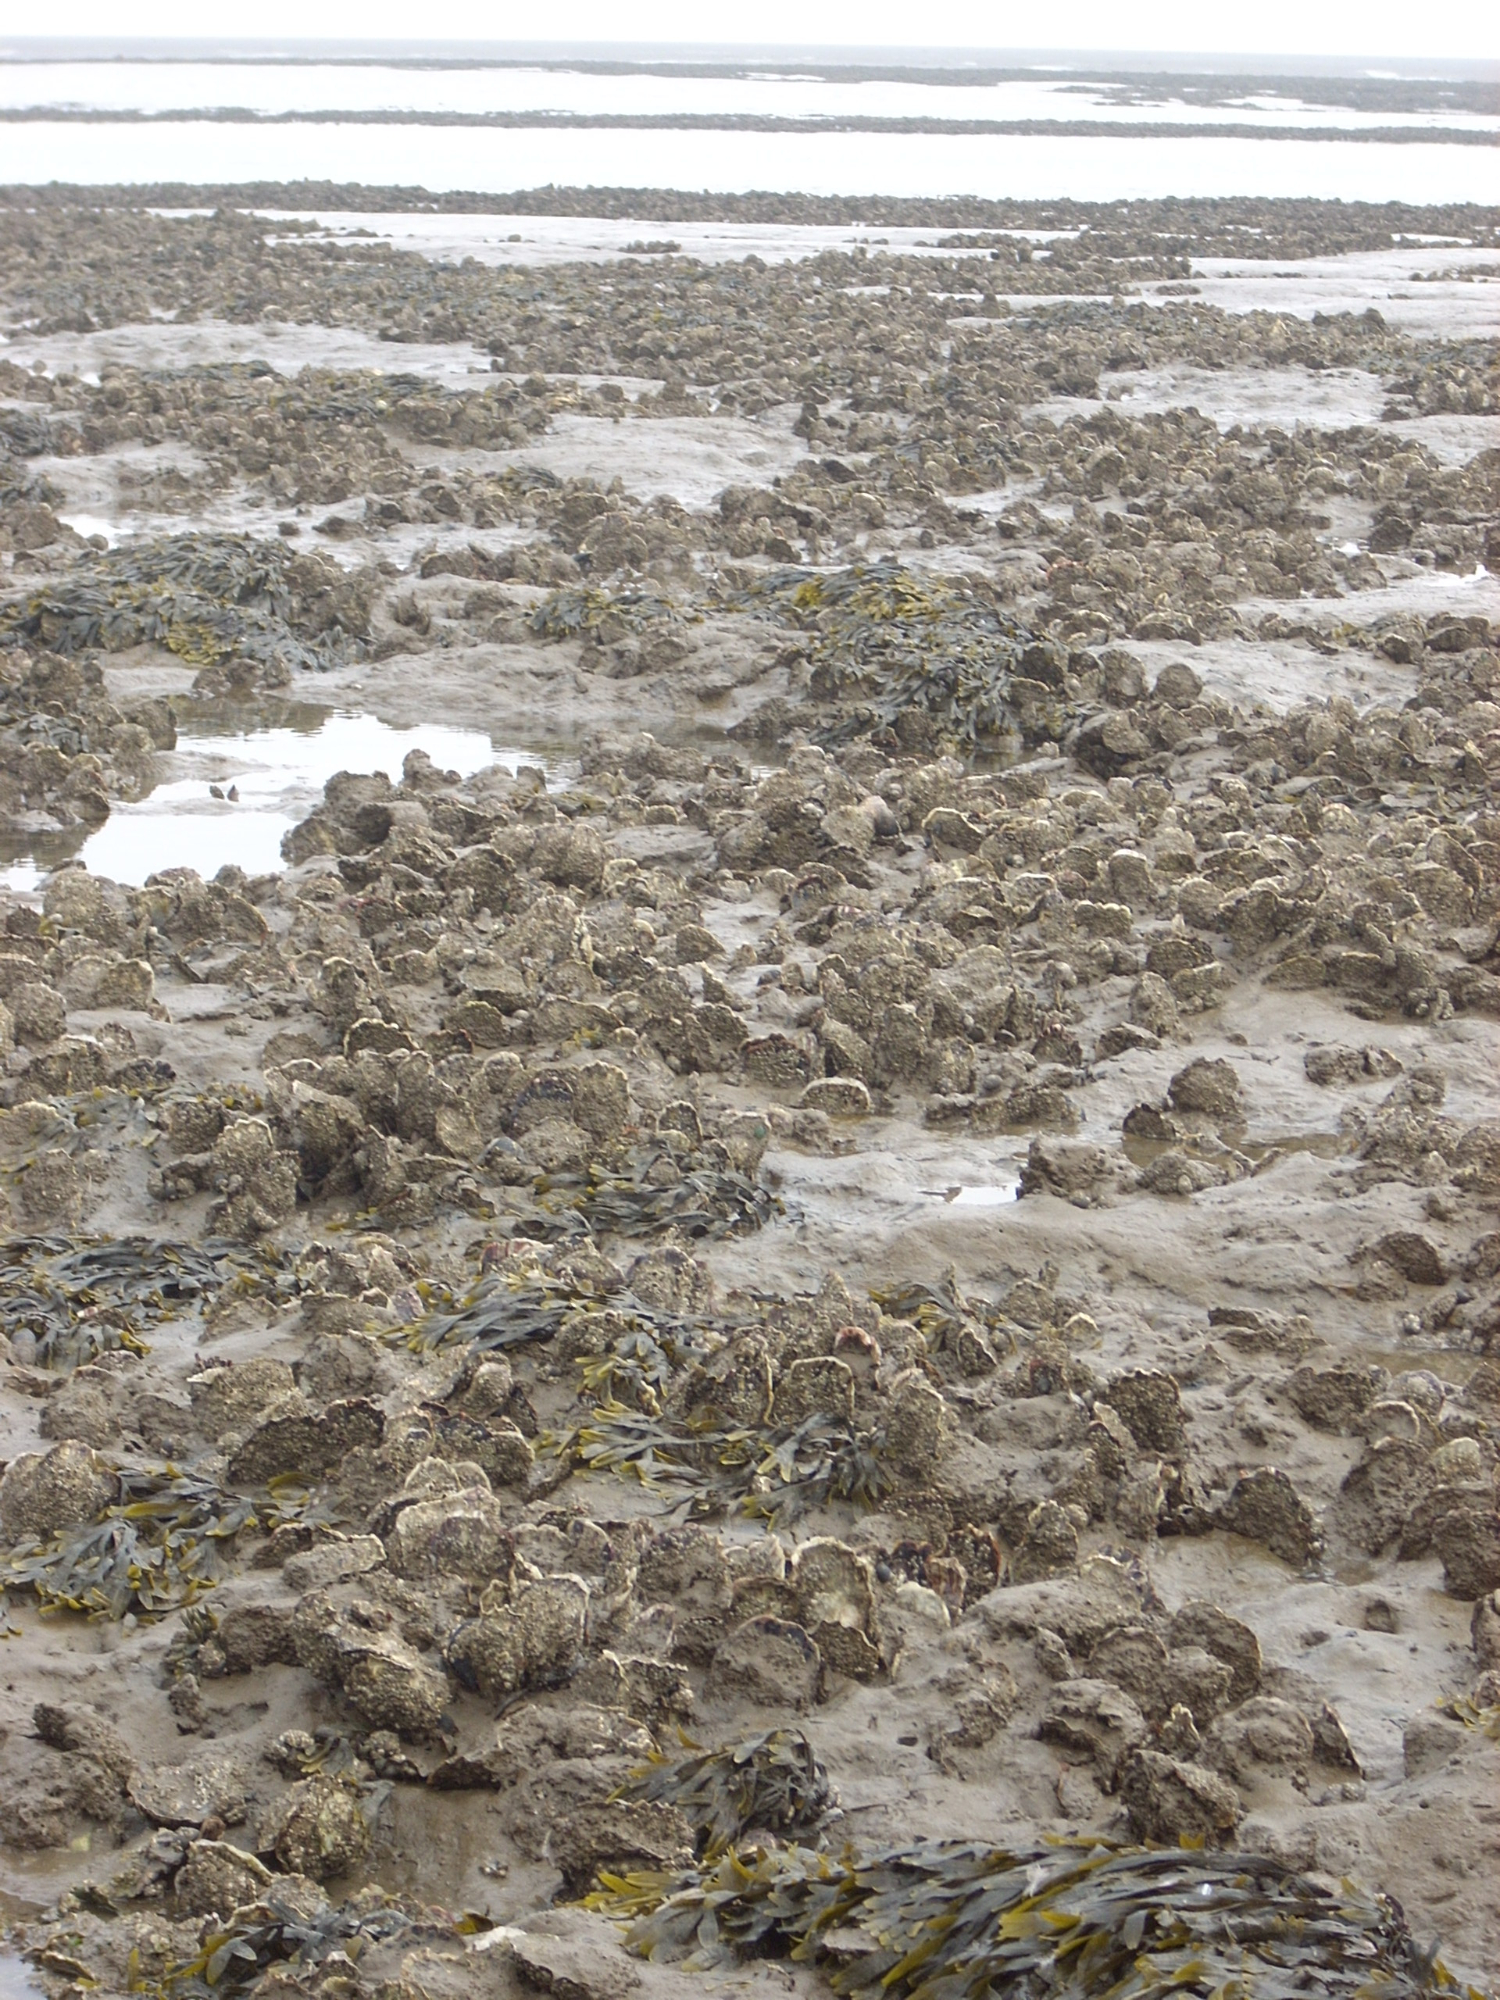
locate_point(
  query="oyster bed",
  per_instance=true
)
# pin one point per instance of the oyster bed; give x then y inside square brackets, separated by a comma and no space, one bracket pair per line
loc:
[852,1288]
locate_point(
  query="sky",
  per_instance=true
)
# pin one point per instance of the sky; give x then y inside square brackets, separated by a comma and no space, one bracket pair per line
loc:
[1350,28]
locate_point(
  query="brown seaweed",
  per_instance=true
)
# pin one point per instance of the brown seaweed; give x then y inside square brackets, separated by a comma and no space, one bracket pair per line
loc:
[773,1780]
[961,1920]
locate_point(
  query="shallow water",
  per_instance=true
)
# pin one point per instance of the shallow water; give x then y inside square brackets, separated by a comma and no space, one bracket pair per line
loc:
[923,164]
[168,344]
[1336,398]
[682,457]
[1406,284]
[270,88]
[279,773]
[1409,284]
[995,1194]
[567,239]
[17,1980]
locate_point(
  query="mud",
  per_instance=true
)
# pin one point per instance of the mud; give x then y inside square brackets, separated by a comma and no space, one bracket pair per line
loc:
[833,1089]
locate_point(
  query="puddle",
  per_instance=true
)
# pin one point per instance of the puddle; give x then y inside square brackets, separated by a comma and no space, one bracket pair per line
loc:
[21,878]
[1212,1146]
[29,1885]
[1283,671]
[1451,1365]
[1323,1145]
[278,772]
[994,1194]
[284,346]
[91,524]
[1351,280]
[1284,398]
[689,459]
[17,1980]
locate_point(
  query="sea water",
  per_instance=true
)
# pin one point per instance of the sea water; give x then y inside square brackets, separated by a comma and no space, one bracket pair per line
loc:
[1345,164]
[927,165]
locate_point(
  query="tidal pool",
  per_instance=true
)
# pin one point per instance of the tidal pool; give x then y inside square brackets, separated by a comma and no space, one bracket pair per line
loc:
[230,795]
[985,1194]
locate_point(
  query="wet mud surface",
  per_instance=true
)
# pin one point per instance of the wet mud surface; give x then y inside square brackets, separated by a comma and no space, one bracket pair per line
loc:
[750,1114]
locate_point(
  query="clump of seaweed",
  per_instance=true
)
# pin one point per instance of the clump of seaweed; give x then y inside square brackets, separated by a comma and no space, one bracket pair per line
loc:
[773,1472]
[1483,1716]
[522,1306]
[154,1550]
[274,1932]
[960,1920]
[581,611]
[503,1310]
[892,641]
[773,1780]
[819,1460]
[204,597]
[79,1301]
[705,1202]
[947,1320]
[648,1351]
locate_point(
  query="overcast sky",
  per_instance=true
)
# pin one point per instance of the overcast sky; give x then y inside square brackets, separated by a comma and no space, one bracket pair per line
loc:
[1448,28]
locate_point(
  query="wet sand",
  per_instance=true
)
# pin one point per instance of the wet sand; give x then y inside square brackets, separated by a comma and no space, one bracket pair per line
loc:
[931,908]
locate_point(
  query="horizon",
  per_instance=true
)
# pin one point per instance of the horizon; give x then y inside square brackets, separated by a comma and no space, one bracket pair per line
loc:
[938,57]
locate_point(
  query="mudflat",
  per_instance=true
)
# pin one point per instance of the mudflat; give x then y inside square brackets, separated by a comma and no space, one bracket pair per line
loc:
[817,1258]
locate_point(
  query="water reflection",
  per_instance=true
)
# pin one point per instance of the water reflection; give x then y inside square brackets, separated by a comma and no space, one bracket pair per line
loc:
[923,164]
[234,792]
[17,1980]
[989,1194]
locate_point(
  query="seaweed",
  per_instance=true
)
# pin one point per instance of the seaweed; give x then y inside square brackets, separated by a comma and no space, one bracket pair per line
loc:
[637,1444]
[961,1920]
[819,1460]
[943,1315]
[1485,1717]
[935,1309]
[647,1352]
[705,1202]
[153,1551]
[78,1301]
[204,597]
[506,1311]
[271,1932]
[773,1473]
[195,1628]
[500,1312]
[773,1780]
[577,611]
[892,641]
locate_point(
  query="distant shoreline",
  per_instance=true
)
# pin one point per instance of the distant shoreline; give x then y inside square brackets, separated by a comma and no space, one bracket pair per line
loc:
[1243,219]
[846,64]
[674,121]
